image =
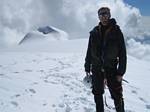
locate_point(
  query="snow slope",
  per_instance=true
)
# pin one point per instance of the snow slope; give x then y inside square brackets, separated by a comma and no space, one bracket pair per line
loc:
[46,33]
[49,79]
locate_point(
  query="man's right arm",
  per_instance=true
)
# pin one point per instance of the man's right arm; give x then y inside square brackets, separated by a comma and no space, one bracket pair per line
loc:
[87,64]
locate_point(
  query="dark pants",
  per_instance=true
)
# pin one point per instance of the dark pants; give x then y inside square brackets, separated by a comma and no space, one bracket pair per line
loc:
[115,89]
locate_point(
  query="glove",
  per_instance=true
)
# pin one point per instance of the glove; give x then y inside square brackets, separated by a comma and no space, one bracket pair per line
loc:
[119,78]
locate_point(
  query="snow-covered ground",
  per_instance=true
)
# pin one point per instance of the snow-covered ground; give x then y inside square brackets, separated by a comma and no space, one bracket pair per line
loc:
[50,80]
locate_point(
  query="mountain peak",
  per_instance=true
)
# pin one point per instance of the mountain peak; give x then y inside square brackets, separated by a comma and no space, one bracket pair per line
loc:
[46,29]
[44,34]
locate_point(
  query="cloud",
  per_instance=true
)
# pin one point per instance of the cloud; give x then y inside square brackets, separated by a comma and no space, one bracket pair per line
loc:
[139,50]
[18,17]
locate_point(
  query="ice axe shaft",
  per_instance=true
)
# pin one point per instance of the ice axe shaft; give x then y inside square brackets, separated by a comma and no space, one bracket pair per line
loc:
[125,80]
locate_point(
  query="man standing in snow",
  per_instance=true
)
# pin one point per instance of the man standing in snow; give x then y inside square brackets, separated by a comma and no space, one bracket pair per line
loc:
[106,59]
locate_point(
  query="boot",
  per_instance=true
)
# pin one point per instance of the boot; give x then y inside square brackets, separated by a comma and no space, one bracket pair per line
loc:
[99,103]
[119,105]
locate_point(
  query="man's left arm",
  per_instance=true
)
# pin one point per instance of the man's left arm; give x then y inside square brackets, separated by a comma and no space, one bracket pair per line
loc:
[122,55]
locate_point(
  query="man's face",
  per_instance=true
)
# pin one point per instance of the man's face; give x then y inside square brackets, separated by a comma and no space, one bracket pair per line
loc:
[104,17]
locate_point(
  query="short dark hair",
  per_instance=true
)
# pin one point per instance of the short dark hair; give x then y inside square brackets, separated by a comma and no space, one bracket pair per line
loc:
[104,8]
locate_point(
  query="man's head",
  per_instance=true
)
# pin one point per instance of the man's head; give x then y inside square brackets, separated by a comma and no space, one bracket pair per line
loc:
[104,15]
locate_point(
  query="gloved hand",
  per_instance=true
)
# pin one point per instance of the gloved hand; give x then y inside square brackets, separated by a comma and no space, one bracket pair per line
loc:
[88,73]
[119,78]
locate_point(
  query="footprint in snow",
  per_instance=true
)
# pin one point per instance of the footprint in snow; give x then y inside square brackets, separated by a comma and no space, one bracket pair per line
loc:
[2,74]
[133,87]
[34,83]
[34,60]
[142,99]
[68,108]
[129,110]
[63,108]
[88,109]
[53,105]
[61,105]
[32,91]
[148,107]
[14,63]
[15,96]
[51,82]
[14,103]
[16,72]
[47,58]
[44,104]
[134,92]
[28,70]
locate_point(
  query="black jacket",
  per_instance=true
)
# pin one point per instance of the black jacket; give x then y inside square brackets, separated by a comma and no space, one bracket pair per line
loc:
[107,51]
